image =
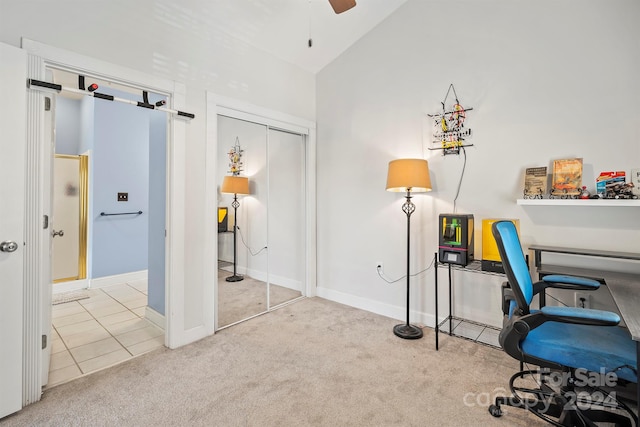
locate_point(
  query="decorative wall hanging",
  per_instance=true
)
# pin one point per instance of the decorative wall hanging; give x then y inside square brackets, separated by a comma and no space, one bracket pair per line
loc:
[235,158]
[449,131]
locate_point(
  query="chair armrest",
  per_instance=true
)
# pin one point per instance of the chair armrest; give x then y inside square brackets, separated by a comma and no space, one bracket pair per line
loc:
[582,316]
[561,281]
[571,282]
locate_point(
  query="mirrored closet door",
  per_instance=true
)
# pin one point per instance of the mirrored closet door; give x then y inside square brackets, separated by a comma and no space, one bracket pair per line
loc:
[261,228]
[286,160]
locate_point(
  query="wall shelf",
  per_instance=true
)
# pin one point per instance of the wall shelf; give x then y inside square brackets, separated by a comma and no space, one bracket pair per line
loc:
[579,202]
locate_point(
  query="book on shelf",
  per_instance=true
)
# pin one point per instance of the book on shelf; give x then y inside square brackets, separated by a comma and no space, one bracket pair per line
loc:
[535,182]
[566,180]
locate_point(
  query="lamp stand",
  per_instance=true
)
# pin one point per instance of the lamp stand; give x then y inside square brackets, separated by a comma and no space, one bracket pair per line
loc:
[407,331]
[235,204]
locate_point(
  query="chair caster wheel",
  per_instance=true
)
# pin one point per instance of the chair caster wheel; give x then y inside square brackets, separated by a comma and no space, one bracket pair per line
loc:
[495,411]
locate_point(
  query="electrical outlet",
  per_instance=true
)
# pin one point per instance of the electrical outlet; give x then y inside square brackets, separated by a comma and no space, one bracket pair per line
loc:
[582,300]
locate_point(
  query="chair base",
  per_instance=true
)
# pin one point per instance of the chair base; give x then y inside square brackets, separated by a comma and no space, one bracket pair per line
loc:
[562,407]
[408,332]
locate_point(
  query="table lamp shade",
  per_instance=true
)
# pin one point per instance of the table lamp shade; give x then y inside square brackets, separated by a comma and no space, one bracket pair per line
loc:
[408,175]
[235,184]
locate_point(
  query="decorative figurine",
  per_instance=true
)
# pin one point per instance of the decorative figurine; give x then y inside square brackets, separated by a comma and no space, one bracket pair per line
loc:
[585,193]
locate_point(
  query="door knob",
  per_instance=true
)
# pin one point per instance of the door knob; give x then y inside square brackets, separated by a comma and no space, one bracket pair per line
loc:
[8,246]
[58,233]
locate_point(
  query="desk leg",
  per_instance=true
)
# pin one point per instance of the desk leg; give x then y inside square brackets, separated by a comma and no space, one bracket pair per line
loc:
[435,268]
[450,303]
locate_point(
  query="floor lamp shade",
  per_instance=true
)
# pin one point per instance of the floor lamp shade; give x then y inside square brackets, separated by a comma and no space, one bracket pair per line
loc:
[408,175]
[235,184]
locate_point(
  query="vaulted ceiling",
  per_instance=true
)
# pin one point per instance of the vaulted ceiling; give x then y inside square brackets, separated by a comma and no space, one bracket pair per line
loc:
[284,27]
[281,28]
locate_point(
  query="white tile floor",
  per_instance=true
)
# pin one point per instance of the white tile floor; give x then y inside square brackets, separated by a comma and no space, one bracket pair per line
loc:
[96,332]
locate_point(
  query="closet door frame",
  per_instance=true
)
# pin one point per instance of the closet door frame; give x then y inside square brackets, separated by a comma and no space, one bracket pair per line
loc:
[219,105]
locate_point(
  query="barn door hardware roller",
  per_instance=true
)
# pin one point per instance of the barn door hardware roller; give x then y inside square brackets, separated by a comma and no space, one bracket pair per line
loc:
[91,90]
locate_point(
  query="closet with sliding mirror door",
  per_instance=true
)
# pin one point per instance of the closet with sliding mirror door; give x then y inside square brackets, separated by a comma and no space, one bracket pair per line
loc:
[261,240]
[286,216]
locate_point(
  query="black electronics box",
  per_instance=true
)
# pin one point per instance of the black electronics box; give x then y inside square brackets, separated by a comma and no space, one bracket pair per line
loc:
[455,245]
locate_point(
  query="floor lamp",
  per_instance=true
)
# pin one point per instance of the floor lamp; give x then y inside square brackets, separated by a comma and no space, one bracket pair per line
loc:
[233,184]
[410,176]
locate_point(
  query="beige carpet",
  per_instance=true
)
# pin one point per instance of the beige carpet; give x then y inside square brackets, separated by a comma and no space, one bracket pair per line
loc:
[311,363]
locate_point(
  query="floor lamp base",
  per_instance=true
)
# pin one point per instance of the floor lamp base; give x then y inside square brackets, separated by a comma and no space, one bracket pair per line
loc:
[408,332]
[234,278]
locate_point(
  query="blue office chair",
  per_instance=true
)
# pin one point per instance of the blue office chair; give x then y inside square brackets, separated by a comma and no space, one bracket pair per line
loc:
[584,359]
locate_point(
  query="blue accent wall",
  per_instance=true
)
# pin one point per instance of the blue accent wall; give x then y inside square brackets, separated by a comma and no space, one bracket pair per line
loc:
[120,164]
[68,126]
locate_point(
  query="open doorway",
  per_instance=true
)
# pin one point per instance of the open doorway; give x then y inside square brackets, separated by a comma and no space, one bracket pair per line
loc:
[116,311]
[183,325]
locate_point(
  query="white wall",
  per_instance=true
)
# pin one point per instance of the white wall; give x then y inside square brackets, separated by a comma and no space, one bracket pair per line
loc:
[546,80]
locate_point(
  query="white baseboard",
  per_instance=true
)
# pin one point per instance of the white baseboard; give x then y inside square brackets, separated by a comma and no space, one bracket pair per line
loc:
[101,282]
[154,317]
[387,310]
[285,282]
[70,286]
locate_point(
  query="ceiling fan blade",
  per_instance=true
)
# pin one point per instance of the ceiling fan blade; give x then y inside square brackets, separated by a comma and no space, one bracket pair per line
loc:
[340,6]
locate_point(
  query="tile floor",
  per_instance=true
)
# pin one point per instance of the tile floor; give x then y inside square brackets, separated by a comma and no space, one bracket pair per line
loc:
[100,331]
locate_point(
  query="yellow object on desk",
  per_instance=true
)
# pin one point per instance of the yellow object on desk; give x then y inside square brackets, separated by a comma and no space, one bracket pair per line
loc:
[491,260]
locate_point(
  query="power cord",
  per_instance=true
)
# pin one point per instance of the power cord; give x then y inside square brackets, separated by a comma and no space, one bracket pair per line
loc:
[246,246]
[557,300]
[383,277]
[464,166]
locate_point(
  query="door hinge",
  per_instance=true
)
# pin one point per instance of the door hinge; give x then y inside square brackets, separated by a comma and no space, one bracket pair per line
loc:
[44,342]
[47,103]
[45,222]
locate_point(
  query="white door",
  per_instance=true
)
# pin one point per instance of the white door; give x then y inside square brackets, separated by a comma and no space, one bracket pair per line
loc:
[13,74]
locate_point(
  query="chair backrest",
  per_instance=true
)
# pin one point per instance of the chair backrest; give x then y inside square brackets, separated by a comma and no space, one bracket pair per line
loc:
[514,263]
